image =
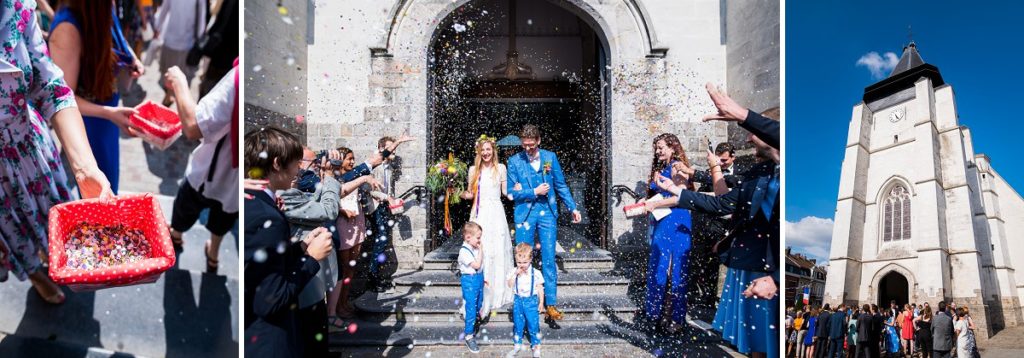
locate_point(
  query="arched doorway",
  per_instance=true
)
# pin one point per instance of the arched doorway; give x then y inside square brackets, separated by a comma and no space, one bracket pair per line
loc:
[893,287]
[559,83]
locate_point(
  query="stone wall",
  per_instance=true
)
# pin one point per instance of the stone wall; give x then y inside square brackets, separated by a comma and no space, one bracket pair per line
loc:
[751,37]
[275,64]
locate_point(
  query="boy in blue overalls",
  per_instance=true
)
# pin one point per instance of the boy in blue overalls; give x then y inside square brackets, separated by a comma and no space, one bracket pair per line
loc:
[470,266]
[526,282]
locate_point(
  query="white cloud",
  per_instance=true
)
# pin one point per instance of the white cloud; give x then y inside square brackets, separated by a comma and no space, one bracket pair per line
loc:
[879,65]
[811,236]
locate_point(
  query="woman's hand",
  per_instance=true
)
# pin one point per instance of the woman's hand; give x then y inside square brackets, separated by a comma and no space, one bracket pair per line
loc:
[174,77]
[466,195]
[255,184]
[93,184]
[762,288]
[668,185]
[713,160]
[122,118]
[138,69]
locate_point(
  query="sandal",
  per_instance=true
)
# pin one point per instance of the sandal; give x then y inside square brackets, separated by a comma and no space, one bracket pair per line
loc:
[211,263]
[333,321]
[179,244]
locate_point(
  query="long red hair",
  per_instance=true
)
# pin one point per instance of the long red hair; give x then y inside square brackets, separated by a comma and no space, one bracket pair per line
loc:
[677,154]
[96,70]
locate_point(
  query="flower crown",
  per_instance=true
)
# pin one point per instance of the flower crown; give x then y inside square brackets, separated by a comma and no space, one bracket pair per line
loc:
[485,138]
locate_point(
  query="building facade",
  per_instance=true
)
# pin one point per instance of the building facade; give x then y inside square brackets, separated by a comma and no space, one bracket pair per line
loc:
[920,216]
[804,273]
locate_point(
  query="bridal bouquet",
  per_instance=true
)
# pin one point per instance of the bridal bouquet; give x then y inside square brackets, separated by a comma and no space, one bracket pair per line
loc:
[448,176]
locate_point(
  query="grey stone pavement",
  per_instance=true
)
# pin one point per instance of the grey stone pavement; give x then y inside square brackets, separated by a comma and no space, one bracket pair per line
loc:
[1008,343]
[186,313]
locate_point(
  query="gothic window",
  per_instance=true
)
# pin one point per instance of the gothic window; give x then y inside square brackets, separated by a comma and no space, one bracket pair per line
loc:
[896,224]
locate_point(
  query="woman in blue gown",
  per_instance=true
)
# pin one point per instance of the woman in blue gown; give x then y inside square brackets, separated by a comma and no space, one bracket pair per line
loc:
[80,36]
[670,243]
[811,328]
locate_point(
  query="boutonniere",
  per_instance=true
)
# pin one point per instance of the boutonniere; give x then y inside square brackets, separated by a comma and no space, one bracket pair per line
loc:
[547,167]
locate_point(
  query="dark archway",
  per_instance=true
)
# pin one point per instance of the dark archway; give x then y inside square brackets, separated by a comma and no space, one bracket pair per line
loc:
[566,95]
[893,287]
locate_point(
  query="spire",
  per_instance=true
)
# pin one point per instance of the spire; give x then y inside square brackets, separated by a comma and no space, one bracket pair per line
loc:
[910,59]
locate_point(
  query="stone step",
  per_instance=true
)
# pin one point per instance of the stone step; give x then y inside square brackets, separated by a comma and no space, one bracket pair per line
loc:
[585,281]
[412,306]
[571,254]
[612,330]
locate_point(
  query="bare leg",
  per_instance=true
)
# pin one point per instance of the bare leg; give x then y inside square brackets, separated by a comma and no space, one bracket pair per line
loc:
[46,288]
[335,294]
[214,249]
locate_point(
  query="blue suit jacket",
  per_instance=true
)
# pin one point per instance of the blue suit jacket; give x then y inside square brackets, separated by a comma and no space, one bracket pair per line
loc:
[521,172]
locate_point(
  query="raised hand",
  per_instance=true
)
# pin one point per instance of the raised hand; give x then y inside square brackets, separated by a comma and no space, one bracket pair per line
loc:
[728,110]
[713,159]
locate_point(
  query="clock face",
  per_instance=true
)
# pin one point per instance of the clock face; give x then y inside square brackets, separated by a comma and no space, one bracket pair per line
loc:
[897,114]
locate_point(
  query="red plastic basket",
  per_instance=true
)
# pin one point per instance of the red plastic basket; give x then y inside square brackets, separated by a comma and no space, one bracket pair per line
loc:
[157,124]
[135,211]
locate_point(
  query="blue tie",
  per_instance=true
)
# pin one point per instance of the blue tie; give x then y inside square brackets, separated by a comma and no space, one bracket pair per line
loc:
[772,192]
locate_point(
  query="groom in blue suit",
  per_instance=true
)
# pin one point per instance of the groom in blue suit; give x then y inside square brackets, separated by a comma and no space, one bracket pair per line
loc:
[532,174]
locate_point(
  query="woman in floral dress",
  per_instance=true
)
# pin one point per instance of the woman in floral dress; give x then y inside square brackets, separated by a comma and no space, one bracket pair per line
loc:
[33,96]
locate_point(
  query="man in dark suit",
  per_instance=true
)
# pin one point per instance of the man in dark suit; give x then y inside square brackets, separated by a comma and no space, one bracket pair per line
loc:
[823,332]
[276,270]
[942,332]
[864,333]
[877,327]
[836,332]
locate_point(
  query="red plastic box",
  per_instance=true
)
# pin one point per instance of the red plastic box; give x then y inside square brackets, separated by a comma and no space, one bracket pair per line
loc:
[141,211]
[157,124]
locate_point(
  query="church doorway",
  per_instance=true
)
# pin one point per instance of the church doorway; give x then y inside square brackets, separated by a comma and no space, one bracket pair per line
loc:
[893,287]
[496,65]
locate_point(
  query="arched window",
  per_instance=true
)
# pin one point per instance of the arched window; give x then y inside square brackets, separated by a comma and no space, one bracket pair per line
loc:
[896,224]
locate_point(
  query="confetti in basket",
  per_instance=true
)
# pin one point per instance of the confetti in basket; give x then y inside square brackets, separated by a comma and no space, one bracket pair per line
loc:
[137,215]
[157,124]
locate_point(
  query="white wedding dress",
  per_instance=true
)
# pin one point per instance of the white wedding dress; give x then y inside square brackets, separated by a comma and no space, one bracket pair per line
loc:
[488,211]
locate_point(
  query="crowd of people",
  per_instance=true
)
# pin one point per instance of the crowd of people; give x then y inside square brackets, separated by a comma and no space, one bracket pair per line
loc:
[871,331]
[296,198]
[74,68]
[307,217]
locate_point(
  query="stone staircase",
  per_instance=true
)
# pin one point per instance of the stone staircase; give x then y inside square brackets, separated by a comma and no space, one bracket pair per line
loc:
[598,294]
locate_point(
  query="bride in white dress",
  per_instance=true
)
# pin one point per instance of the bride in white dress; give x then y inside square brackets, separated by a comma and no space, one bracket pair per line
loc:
[487,180]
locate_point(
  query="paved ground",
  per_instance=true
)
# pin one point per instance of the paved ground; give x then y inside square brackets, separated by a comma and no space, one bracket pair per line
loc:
[186,313]
[575,350]
[1005,344]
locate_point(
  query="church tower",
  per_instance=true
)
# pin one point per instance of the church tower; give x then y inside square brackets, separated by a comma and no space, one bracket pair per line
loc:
[918,216]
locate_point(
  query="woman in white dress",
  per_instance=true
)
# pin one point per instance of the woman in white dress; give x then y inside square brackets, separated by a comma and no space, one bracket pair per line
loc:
[486,188]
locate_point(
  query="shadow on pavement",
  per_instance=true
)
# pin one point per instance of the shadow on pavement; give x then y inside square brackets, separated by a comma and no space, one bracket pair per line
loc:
[71,322]
[202,330]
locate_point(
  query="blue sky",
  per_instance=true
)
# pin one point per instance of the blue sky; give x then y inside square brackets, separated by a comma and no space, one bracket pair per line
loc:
[978,48]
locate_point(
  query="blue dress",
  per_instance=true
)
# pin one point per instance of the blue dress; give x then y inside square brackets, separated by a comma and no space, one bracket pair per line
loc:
[670,252]
[102,133]
[811,328]
[892,337]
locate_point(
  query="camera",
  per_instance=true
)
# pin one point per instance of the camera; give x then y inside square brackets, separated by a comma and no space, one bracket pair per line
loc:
[323,154]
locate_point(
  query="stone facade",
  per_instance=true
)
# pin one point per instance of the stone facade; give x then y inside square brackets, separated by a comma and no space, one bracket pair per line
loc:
[366,72]
[962,214]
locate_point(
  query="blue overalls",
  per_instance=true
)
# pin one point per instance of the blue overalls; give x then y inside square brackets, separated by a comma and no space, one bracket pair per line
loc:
[524,311]
[472,293]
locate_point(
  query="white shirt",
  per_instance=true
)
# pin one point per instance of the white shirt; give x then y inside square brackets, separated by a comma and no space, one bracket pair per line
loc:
[467,255]
[213,115]
[176,21]
[522,285]
[535,162]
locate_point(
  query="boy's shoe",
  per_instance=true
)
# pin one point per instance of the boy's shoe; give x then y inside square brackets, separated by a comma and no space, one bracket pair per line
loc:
[536,352]
[473,347]
[554,313]
[515,349]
